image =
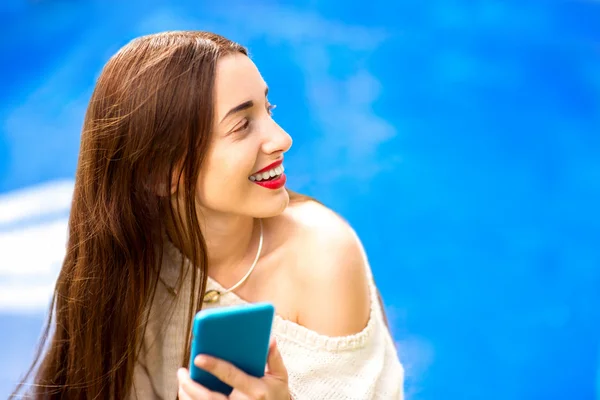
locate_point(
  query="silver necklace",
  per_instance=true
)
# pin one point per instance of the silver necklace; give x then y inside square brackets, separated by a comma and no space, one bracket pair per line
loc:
[213,295]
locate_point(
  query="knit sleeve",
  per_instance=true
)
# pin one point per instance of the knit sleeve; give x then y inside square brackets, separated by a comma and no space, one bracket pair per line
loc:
[362,366]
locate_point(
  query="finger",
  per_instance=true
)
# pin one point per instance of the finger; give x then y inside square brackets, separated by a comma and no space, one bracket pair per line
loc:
[275,362]
[237,395]
[194,390]
[231,375]
[182,395]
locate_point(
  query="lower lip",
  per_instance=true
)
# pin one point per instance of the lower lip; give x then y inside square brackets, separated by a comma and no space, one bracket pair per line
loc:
[274,184]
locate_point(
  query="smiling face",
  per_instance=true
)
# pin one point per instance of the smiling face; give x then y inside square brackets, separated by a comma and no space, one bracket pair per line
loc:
[242,171]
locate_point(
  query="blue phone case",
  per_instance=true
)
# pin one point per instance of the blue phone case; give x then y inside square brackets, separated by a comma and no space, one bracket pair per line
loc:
[237,334]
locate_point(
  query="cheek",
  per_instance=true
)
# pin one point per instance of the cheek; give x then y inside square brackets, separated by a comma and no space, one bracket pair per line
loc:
[225,179]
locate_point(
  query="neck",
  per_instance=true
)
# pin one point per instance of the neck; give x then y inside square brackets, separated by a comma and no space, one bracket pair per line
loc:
[230,241]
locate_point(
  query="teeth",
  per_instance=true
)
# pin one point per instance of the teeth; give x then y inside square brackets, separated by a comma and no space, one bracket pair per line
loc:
[268,174]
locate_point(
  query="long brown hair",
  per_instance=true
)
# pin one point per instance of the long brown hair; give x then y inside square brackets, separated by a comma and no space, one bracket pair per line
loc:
[149,117]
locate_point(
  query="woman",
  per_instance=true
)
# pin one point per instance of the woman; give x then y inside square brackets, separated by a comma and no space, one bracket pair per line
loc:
[180,194]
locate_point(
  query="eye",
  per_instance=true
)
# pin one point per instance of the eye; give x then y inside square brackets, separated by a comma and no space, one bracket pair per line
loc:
[244,126]
[246,123]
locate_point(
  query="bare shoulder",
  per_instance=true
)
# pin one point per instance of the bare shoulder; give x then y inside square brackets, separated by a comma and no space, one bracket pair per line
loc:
[330,270]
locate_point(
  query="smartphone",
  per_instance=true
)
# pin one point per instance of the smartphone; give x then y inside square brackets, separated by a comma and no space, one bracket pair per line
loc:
[238,334]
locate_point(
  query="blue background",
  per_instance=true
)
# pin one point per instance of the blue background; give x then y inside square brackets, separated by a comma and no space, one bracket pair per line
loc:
[461,139]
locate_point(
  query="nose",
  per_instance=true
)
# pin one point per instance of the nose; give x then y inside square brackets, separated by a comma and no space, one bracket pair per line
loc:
[276,140]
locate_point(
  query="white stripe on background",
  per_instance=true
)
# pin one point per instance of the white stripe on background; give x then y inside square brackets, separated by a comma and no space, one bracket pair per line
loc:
[25,299]
[33,251]
[31,255]
[48,198]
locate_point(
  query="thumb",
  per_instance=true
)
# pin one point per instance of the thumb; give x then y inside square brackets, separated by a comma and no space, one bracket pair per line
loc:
[275,364]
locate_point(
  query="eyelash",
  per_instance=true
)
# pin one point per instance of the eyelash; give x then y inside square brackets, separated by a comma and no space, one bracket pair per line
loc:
[270,108]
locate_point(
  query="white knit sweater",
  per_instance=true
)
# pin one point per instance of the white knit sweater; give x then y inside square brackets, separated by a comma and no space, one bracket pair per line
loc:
[362,366]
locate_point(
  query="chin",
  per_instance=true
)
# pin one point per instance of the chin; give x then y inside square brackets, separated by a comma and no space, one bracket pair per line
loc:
[273,206]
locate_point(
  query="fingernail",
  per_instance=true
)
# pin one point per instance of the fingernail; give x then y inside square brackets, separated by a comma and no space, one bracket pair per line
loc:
[181,373]
[200,360]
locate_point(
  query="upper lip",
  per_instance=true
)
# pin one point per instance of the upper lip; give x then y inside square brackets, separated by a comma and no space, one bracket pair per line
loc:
[270,166]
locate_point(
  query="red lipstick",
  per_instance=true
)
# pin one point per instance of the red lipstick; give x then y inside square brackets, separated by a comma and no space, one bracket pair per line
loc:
[270,166]
[272,184]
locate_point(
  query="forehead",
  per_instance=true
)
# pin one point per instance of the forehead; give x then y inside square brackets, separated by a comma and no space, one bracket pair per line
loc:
[237,80]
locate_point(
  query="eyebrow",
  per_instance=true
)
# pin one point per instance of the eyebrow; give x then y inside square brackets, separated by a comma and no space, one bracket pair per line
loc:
[243,106]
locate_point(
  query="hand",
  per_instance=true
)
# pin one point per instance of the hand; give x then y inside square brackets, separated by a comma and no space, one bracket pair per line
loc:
[272,386]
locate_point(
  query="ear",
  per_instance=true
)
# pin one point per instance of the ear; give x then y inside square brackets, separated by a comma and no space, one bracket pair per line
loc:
[162,189]
[176,179]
